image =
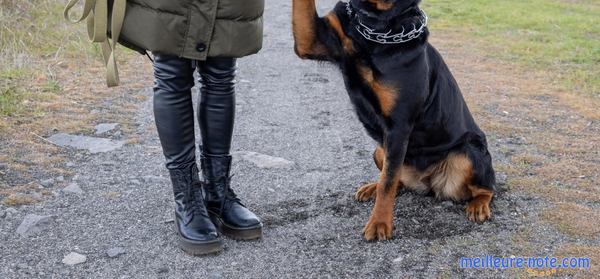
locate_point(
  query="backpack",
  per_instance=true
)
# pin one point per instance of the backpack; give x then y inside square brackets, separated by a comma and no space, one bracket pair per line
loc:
[104,23]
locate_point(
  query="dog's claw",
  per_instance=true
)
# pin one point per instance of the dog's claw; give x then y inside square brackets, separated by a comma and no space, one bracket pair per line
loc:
[366,192]
[478,212]
[377,230]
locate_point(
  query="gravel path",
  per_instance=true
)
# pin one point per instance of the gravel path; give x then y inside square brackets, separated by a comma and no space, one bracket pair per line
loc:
[114,220]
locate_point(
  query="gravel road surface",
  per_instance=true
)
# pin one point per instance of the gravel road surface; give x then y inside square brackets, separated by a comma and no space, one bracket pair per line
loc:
[300,154]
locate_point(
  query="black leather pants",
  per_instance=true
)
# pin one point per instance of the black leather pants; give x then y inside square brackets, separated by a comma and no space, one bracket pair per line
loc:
[174,113]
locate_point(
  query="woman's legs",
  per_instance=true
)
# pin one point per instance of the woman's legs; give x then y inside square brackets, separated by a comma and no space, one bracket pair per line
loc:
[174,117]
[216,107]
[216,115]
[173,109]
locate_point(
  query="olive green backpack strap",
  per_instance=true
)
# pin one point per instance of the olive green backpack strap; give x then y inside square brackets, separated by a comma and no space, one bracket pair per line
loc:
[96,13]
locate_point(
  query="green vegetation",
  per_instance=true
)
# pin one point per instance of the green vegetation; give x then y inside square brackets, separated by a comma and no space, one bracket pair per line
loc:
[10,101]
[557,36]
[34,38]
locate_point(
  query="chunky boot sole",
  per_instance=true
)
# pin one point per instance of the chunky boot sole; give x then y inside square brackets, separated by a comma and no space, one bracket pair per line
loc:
[199,248]
[250,233]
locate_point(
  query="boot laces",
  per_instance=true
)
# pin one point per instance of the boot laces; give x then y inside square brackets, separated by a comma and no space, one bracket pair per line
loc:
[229,193]
[229,196]
[196,204]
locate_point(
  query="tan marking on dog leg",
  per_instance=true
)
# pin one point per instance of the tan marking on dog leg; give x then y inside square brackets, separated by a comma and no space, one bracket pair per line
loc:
[378,157]
[304,14]
[335,23]
[380,224]
[367,192]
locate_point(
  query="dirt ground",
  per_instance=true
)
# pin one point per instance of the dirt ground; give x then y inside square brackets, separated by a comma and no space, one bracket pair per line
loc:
[544,142]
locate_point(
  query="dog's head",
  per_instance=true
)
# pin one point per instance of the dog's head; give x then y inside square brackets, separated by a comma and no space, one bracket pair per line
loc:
[384,6]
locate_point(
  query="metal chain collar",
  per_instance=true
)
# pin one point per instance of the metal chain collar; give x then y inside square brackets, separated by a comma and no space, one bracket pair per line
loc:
[388,38]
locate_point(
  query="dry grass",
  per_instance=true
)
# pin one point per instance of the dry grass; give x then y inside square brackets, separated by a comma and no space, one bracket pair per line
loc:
[587,251]
[554,149]
[53,81]
[574,220]
[23,194]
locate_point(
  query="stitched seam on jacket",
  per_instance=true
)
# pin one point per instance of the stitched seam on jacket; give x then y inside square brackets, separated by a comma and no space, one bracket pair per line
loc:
[187,32]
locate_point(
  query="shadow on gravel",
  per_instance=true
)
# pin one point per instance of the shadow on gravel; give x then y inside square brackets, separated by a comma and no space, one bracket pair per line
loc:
[338,204]
[416,216]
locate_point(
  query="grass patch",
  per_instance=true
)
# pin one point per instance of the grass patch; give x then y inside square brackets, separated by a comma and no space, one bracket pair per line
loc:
[34,38]
[10,102]
[574,220]
[52,80]
[560,37]
[577,250]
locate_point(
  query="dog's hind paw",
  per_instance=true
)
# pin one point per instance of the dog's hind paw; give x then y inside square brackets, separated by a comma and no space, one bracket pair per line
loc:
[478,211]
[366,192]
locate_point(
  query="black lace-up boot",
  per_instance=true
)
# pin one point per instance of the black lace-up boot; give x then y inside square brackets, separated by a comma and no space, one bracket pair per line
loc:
[197,233]
[226,210]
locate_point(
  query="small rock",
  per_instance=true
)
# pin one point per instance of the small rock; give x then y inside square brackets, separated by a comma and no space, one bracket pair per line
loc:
[115,252]
[33,224]
[73,188]
[24,268]
[501,178]
[70,164]
[163,270]
[9,212]
[135,182]
[93,145]
[60,179]
[398,259]
[109,163]
[2,214]
[36,196]
[47,182]
[78,177]
[74,259]
[447,204]
[155,179]
[105,127]
[265,161]
[215,275]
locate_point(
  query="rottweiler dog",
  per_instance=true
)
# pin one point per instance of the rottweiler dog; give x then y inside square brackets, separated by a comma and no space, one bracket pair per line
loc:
[408,101]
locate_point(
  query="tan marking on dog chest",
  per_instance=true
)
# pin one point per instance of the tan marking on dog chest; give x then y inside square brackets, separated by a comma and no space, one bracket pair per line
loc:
[386,95]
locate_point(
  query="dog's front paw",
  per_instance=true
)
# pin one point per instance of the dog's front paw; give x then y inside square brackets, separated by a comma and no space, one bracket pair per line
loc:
[478,210]
[378,229]
[366,192]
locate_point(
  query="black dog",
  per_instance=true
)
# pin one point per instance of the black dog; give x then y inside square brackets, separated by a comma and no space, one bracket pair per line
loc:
[406,98]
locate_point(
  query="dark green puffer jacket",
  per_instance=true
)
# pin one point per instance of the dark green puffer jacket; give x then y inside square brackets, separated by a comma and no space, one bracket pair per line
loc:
[195,29]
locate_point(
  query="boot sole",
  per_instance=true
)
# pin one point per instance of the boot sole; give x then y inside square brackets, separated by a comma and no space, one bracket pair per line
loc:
[199,248]
[251,233]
